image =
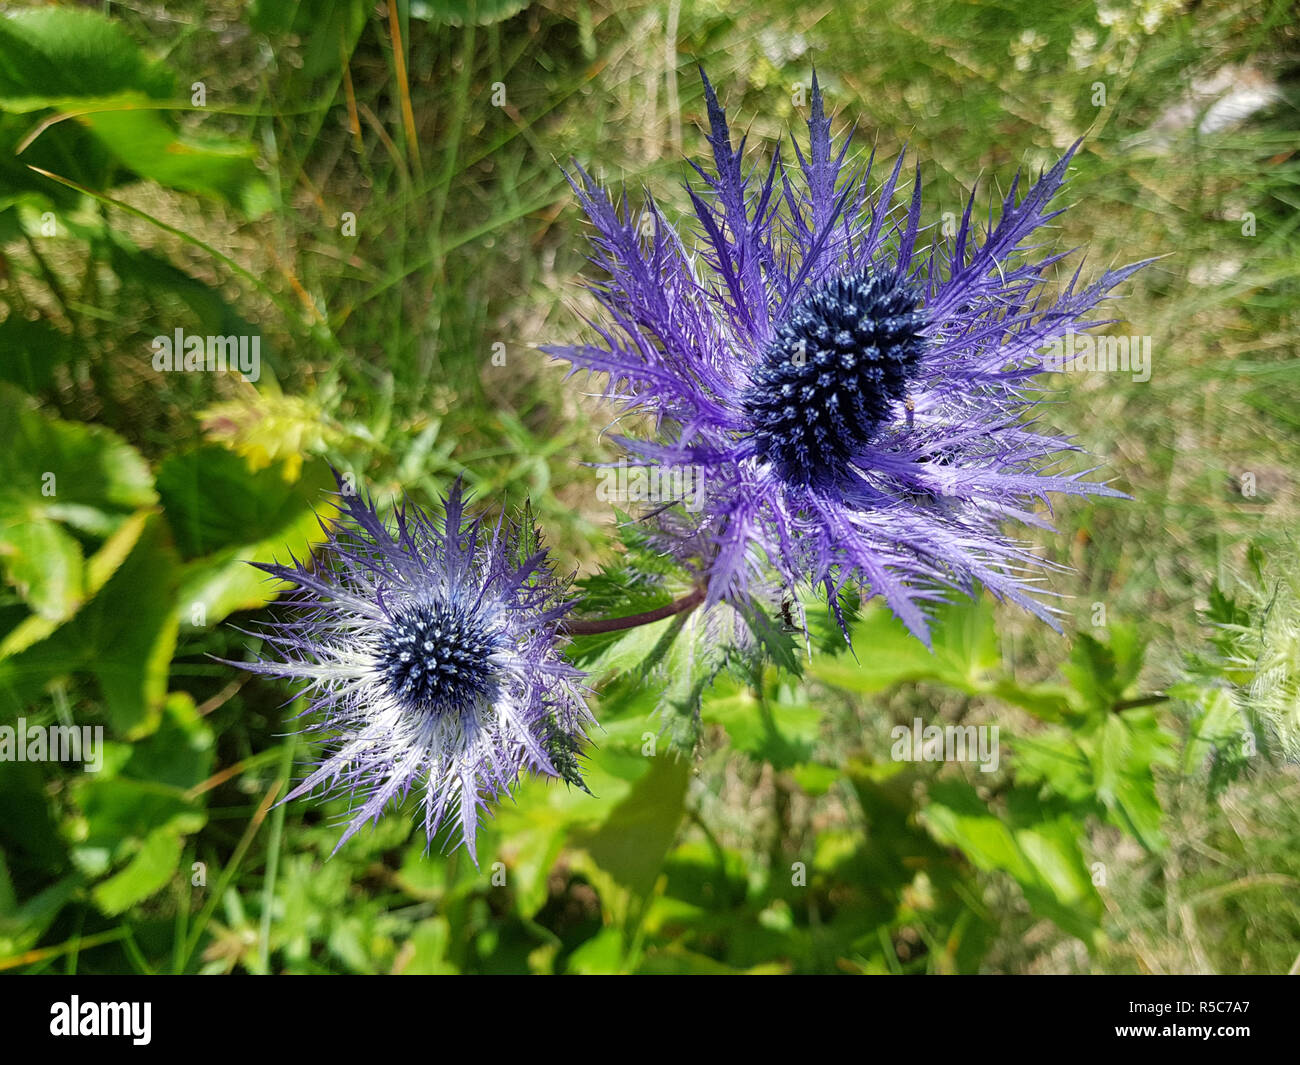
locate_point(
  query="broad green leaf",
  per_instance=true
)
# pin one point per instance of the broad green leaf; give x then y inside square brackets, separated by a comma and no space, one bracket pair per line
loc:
[23,924]
[71,52]
[779,729]
[144,142]
[630,845]
[602,954]
[180,753]
[814,778]
[98,569]
[57,477]
[124,638]
[1103,765]
[1130,746]
[1053,759]
[964,651]
[29,830]
[148,871]
[1037,847]
[617,653]
[425,953]
[43,562]
[81,64]
[225,515]
[547,815]
[113,815]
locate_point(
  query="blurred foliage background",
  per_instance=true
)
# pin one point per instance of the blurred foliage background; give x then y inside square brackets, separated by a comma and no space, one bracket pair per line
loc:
[374,191]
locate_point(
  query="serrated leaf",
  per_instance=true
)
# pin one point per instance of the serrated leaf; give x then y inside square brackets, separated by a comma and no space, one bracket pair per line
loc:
[44,564]
[1102,674]
[777,643]
[98,569]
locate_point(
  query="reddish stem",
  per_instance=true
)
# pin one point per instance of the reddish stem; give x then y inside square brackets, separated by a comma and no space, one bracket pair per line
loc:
[677,606]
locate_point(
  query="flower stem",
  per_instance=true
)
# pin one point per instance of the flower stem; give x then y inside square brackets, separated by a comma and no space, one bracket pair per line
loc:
[1145,700]
[595,626]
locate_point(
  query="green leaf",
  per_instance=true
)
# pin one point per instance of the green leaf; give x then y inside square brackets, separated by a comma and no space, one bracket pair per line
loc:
[779,728]
[1216,730]
[57,478]
[117,813]
[964,651]
[148,871]
[428,948]
[631,844]
[144,142]
[98,569]
[617,653]
[180,753]
[815,779]
[602,954]
[1102,674]
[225,515]
[85,65]
[1037,847]
[43,562]
[33,350]
[124,638]
[1130,746]
[777,643]
[1104,765]
[1054,760]
[71,52]
[531,832]
[22,925]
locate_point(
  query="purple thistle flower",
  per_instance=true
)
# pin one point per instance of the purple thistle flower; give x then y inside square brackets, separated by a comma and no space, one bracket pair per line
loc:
[431,653]
[859,405]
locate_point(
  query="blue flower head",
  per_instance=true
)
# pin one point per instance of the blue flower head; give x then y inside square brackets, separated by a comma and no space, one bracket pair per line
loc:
[859,405]
[431,652]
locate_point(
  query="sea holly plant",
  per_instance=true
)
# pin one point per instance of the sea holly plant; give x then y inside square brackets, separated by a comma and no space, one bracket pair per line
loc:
[860,406]
[430,649]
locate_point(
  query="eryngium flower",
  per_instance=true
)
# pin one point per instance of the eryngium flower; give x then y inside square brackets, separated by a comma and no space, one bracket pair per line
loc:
[858,404]
[431,652]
